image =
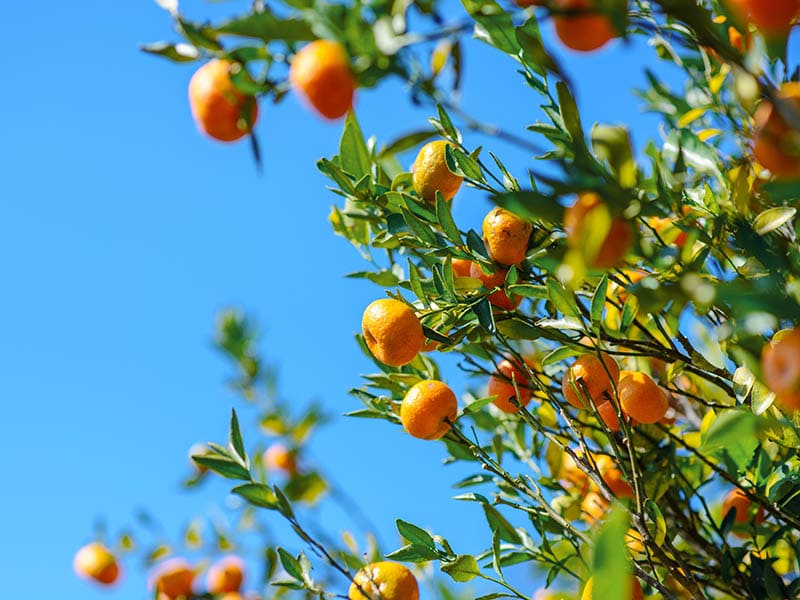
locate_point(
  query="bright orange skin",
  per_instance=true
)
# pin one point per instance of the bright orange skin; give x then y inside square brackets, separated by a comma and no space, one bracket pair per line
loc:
[613,477]
[320,71]
[384,580]
[225,576]
[594,507]
[430,173]
[279,458]
[582,32]
[95,561]
[462,267]
[636,590]
[641,398]
[780,364]
[427,408]
[772,17]
[173,579]
[499,298]
[571,473]
[500,385]
[618,240]
[737,499]
[608,415]
[589,370]
[506,236]
[217,106]
[775,144]
[392,332]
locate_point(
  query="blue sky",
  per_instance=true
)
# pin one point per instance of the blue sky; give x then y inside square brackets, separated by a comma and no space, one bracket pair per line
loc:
[123,232]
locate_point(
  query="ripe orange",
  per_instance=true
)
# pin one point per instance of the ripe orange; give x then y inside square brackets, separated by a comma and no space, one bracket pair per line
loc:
[279,458]
[226,575]
[589,371]
[776,146]
[613,477]
[462,267]
[780,363]
[737,499]
[641,398]
[218,108]
[500,385]
[772,17]
[384,581]
[392,332]
[95,561]
[506,236]
[320,71]
[570,473]
[499,298]
[430,173]
[173,579]
[636,590]
[593,507]
[427,408]
[586,29]
[617,242]
[608,415]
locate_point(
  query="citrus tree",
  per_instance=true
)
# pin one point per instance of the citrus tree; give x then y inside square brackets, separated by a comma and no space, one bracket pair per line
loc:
[628,320]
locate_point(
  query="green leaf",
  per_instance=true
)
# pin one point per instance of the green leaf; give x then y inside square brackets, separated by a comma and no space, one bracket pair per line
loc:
[533,52]
[569,112]
[414,534]
[406,142]
[235,439]
[257,494]
[531,205]
[499,524]
[629,311]
[562,299]
[462,164]
[445,125]
[420,229]
[613,144]
[290,564]
[174,52]
[446,222]
[610,567]
[732,432]
[223,465]
[267,27]
[353,151]
[559,354]
[599,300]
[772,218]
[413,553]
[494,25]
[483,310]
[464,568]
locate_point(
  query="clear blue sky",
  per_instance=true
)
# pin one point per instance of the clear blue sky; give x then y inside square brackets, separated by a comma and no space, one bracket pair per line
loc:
[123,232]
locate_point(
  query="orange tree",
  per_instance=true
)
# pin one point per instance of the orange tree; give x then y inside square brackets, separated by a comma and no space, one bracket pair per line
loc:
[629,319]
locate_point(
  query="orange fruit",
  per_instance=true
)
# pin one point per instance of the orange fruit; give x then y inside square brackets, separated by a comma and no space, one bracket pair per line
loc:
[780,364]
[737,499]
[462,267]
[506,236]
[220,110]
[772,17]
[641,398]
[586,29]
[426,409]
[226,575]
[617,242]
[95,561]
[589,371]
[430,173]
[608,415]
[392,332]
[320,72]
[279,458]
[173,579]
[613,477]
[501,385]
[384,581]
[775,145]
[490,281]
[593,507]
[570,473]
[636,590]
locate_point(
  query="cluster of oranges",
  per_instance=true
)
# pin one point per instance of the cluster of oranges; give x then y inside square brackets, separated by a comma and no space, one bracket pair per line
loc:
[172,579]
[320,72]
